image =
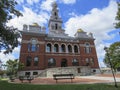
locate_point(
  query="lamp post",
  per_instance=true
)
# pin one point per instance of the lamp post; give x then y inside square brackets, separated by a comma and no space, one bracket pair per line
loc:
[107,53]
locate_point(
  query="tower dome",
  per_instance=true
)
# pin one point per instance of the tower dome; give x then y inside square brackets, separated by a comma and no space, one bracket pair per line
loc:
[80,30]
[35,24]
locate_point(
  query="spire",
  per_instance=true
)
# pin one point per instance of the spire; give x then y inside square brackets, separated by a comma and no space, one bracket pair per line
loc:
[55,22]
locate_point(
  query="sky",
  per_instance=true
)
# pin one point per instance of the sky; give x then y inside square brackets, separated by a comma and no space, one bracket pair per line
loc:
[96,16]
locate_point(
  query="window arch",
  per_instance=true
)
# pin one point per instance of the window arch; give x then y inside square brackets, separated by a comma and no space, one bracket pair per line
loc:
[36,61]
[56,48]
[87,48]
[51,62]
[28,61]
[69,48]
[75,62]
[63,49]
[75,48]
[48,47]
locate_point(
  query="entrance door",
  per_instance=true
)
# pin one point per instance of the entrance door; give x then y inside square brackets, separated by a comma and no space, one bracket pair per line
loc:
[64,63]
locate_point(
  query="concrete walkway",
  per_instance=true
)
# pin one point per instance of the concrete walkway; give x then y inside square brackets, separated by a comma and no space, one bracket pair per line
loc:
[109,79]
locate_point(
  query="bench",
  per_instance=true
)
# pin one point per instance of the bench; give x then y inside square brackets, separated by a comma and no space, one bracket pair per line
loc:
[28,78]
[63,76]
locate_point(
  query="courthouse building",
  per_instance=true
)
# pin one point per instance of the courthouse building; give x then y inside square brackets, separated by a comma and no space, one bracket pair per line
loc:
[56,52]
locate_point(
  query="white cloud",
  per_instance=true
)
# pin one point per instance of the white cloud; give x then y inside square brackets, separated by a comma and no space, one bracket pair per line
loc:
[97,21]
[46,5]
[29,17]
[32,1]
[102,64]
[20,1]
[14,55]
[68,1]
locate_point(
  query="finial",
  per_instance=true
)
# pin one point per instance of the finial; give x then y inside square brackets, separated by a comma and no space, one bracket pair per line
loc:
[54,4]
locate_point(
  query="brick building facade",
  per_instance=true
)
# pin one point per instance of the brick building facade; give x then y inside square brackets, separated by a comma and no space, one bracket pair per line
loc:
[41,51]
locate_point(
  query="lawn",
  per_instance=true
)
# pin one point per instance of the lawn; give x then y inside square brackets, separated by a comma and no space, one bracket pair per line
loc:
[4,85]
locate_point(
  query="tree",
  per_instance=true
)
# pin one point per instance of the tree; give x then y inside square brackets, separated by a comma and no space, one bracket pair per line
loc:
[8,35]
[117,24]
[13,66]
[114,55]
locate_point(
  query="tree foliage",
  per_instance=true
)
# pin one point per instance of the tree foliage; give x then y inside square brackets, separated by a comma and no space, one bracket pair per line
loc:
[117,24]
[13,66]
[114,55]
[8,35]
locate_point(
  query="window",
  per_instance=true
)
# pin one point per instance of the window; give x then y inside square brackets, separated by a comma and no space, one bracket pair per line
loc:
[78,69]
[55,13]
[87,48]
[52,27]
[27,73]
[28,61]
[92,61]
[51,62]
[75,62]
[75,49]
[29,47]
[62,48]
[35,73]
[33,46]
[87,61]
[56,48]
[48,47]
[56,26]
[69,48]
[64,62]
[36,61]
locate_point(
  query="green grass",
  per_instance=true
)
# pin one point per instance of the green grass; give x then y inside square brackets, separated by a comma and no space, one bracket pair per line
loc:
[4,85]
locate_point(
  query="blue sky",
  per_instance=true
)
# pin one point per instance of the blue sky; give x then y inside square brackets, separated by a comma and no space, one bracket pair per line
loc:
[96,16]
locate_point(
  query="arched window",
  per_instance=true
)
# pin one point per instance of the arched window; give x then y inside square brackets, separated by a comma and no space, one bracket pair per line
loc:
[63,48]
[76,49]
[87,48]
[36,61]
[29,47]
[87,62]
[48,47]
[52,27]
[34,45]
[55,13]
[51,62]
[56,48]
[75,62]
[56,26]
[28,61]
[92,61]
[69,48]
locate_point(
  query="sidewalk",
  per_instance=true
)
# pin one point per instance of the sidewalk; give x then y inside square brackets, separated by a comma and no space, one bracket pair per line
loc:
[109,79]
[77,80]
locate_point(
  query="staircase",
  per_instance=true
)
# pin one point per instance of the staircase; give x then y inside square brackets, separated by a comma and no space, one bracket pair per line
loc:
[66,70]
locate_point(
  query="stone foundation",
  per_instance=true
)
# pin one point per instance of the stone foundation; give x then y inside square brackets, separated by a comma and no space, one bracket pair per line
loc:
[77,71]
